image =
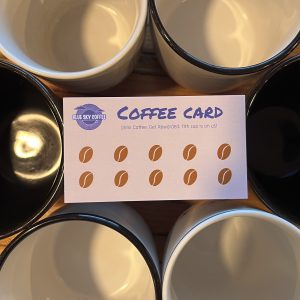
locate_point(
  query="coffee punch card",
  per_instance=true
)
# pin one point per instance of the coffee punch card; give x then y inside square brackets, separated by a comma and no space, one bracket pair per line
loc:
[155,148]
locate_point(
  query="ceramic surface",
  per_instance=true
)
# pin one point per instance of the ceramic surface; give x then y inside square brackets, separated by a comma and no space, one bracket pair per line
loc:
[211,45]
[219,251]
[31,164]
[83,252]
[84,45]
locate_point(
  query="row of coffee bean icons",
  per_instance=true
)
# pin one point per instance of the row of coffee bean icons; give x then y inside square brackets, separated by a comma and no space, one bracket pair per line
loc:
[155,153]
[155,178]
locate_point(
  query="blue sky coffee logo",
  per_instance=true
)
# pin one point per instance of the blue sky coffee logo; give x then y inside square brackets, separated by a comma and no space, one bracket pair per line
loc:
[89,116]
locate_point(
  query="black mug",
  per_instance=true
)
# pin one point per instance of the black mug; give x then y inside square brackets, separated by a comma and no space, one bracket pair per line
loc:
[273,139]
[31,163]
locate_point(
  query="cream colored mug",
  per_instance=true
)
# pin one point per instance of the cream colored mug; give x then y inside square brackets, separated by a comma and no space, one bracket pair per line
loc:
[220,251]
[85,45]
[84,251]
[212,45]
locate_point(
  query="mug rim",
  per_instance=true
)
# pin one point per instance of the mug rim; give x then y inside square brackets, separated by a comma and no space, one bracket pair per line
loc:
[251,99]
[99,220]
[83,74]
[197,62]
[50,99]
[212,220]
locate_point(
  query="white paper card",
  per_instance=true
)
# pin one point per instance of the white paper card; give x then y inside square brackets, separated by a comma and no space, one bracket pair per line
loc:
[155,148]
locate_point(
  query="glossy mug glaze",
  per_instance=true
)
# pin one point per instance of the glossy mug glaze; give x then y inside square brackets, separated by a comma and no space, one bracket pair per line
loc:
[84,45]
[213,46]
[273,139]
[84,251]
[31,163]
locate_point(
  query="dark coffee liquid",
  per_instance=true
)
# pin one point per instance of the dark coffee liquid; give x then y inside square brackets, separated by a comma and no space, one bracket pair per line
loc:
[273,141]
[30,151]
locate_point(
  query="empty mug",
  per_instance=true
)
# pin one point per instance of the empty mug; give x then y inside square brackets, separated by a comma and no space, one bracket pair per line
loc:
[31,165]
[273,138]
[85,45]
[85,251]
[218,251]
[213,46]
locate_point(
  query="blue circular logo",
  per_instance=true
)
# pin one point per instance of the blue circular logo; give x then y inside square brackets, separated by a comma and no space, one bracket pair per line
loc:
[89,116]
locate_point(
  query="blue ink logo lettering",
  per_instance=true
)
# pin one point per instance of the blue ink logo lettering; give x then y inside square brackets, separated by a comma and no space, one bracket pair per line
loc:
[89,116]
[125,113]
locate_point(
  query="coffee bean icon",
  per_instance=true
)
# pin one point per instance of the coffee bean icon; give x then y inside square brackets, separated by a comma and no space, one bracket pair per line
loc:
[224,176]
[86,179]
[155,153]
[189,152]
[121,153]
[190,177]
[224,151]
[155,177]
[121,178]
[86,154]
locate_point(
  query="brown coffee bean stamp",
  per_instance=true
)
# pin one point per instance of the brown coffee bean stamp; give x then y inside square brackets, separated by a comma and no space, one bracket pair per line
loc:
[189,152]
[86,154]
[121,153]
[86,179]
[190,177]
[155,152]
[121,178]
[224,151]
[156,177]
[224,176]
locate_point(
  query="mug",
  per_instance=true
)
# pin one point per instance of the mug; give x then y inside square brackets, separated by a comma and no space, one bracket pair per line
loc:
[84,251]
[219,251]
[84,45]
[31,164]
[213,46]
[273,138]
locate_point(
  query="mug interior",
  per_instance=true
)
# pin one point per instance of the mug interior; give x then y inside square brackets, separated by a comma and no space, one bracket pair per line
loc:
[231,33]
[66,35]
[273,139]
[30,150]
[76,260]
[238,257]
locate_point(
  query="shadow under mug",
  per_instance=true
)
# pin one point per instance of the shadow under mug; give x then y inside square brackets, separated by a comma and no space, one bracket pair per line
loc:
[219,251]
[84,45]
[84,251]
[31,164]
[214,46]
[273,139]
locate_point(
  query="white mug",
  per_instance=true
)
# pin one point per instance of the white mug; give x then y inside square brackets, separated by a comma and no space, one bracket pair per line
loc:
[85,251]
[85,45]
[212,46]
[218,251]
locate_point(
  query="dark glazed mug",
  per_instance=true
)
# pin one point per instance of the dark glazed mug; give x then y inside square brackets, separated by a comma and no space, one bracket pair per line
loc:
[31,164]
[273,138]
